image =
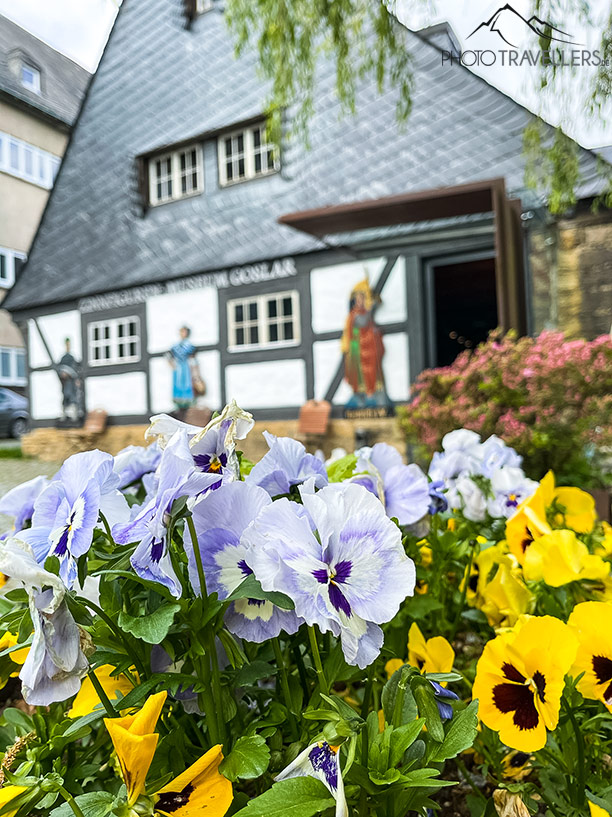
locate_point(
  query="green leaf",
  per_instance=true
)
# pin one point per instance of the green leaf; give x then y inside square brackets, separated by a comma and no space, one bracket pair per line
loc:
[342,469]
[249,674]
[298,797]
[93,804]
[52,565]
[402,737]
[248,759]
[428,707]
[153,627]
[460,736]
[389,696]
[250,588]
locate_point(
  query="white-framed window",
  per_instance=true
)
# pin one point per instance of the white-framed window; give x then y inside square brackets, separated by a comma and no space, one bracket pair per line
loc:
[176,174]
[246,154]
[28,162]
[114,341]
[264,320]
[30,77]
[204,5]
[12,366]
[9,262]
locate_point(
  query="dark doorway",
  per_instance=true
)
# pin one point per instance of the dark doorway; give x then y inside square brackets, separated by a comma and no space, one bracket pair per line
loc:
[464,306]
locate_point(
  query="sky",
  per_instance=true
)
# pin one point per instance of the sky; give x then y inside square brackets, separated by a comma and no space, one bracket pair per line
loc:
[80,28]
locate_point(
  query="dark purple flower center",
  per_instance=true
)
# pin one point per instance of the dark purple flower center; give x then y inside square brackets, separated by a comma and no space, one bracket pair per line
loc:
[246,570]
[157,550]
[323,759]
[62,545]
[333,577]
[602,667]
[512,501]
[518,696]
[211,463]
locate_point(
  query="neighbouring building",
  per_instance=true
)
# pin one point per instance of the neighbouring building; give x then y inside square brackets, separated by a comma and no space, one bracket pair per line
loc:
[171,210]
[40,94]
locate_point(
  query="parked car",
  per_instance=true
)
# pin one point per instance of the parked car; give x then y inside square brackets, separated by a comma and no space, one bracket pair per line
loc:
[14,414]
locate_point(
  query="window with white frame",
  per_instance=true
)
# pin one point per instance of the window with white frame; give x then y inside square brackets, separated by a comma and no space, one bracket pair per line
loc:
[28,162]
[175,175]
[204,5]
[114,341]
[12,366]
[10,261]
[246,154]
[30,77]
[264,320]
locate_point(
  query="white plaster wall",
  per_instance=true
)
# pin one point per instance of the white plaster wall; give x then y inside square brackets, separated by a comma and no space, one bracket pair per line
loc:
[331,290]
[196,308]
[45,395]
[393,295]
[270,384]
[396,366]
[117,393]
[326,356]
[160,381]
[56,328]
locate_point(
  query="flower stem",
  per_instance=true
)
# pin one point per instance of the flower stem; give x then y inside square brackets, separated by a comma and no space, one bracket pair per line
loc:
[316,656]
[71,802]
[285,687]
[110,709]
[118,632]
[368,690]
[198,556]
[107,528]
[579,768]
[466,582]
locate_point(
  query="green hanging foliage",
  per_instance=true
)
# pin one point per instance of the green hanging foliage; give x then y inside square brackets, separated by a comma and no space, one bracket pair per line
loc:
[551,167]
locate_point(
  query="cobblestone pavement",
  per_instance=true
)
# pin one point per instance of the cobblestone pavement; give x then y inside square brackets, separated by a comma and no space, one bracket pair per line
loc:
[15,471]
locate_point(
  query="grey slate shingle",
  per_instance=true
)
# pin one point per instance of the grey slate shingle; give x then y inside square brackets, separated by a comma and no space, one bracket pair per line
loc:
[63,82]
[158,83]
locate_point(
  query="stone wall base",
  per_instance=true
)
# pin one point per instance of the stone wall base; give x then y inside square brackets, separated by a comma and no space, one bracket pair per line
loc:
[56,444]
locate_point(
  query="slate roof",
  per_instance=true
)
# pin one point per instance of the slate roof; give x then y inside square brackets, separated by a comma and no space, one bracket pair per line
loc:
[159,83]
[63,82]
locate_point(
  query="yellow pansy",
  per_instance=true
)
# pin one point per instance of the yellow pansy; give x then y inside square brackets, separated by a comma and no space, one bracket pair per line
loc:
[529,521]
[433,655]
[425,552]
[87,698]
[604,548]
[392,665]
[135,741]
[8,793]
[591,621]
[516,765]
[199,788]
[577,509]
[520,678]
[451,524]
[505,597]
[560,557]
[9,640]
[597,811]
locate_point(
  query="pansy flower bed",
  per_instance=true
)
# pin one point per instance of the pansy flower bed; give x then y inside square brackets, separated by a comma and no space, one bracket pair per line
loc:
[197,634]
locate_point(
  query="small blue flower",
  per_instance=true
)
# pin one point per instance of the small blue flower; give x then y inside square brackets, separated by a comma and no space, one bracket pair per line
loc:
[321,761]
[286,464]
[438,502]
[442,695]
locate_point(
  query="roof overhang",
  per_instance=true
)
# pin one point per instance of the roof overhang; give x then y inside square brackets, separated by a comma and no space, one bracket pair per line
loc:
[407,208]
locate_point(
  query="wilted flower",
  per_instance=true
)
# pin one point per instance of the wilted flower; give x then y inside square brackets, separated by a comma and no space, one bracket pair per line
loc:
[516,765]
[286,464]
[348,578]
[220,519]
[559,557]
[66,512]
[520,678]
[591,621]
[55,663]
[200,787]
[322,761]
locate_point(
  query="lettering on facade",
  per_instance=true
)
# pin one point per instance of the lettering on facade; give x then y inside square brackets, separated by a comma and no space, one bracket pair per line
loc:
[238,276]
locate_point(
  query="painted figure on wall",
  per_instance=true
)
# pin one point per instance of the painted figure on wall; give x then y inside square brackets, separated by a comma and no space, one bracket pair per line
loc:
[187,382]
[363,350]
[69,373]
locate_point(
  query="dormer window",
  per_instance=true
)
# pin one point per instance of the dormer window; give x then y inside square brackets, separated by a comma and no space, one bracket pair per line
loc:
[246,154]
[30,78]
[175,174]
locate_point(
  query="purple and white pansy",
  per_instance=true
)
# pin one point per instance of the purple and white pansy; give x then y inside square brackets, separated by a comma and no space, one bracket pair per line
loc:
[405,488]
[220,519]
[134,461]
[19,502]
[510,487]
[68,509]
[285,465]
[178,477]
[344,566]
[321,761]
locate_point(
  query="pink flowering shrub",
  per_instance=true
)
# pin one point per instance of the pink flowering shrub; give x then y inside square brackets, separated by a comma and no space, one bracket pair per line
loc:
[547,397]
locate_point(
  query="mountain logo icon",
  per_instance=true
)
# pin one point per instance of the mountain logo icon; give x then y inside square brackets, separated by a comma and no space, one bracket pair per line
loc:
[507,23]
